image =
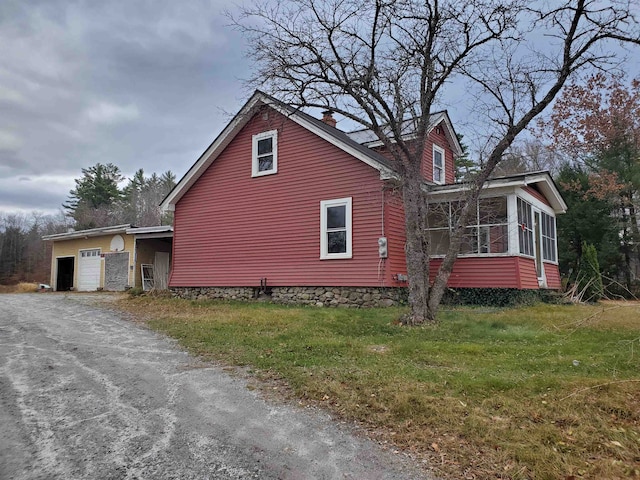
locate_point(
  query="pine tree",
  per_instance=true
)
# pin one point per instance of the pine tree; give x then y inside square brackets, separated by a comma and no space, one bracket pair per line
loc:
[91,202]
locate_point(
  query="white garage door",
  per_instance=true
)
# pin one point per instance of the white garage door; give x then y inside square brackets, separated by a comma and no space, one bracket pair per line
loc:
[89,270]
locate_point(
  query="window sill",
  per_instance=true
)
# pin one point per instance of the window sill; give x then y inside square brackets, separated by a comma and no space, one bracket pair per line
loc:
[262,174]
[336,256]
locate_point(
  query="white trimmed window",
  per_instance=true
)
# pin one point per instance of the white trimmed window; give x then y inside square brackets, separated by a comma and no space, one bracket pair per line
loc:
[525,230]
[438,164]
[265,154]
[548,232]
[335,228]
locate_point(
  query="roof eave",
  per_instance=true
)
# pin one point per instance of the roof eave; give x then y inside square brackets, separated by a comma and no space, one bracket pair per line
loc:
[210,154]
[238,122]
[93,232]
[542,179]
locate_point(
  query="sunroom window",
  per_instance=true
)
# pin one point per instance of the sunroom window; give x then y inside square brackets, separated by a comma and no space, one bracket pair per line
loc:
[549,238]
[525,230]
[265,154]
[485,233]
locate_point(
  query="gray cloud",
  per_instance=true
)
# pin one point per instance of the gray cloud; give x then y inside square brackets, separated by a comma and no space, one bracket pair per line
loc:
[141,84]
[138,84]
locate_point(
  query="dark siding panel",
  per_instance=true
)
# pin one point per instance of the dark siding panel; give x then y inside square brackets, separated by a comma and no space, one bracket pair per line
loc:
[232,229]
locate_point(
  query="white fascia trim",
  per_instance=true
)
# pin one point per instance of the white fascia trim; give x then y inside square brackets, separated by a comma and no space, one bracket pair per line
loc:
[94,232]
[154,229]
[543,180]
[438,119]
[535,203]
[210,154]
[331,139]
[451,134]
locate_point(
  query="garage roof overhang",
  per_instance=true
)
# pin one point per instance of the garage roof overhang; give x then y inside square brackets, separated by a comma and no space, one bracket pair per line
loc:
[93,232]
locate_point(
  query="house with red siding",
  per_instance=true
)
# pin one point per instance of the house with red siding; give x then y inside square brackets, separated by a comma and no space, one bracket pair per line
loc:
[286,204]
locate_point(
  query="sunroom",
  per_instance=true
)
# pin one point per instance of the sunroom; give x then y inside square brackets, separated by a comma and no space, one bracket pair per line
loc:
[510,241]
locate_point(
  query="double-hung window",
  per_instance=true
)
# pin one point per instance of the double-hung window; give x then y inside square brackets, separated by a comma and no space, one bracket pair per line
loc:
[438,164]
[265,154]
[335,228]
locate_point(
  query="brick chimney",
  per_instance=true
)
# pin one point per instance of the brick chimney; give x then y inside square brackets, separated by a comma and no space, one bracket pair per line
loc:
[327,117]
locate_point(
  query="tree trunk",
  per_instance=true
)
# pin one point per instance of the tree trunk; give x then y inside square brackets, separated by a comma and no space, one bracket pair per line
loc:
[416,251]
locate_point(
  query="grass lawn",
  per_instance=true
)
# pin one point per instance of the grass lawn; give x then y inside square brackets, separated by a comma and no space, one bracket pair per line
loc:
[544,392]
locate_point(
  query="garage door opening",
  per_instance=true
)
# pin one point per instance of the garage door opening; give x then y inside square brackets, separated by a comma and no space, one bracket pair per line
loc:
[89,270]
[64,277]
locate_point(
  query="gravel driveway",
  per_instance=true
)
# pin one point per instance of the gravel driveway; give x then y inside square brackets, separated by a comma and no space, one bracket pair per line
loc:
[86,394]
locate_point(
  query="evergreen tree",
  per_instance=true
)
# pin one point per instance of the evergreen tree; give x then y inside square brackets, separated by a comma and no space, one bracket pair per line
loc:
[90,203]
[588,219]
[141,198]
[464,165]
[12,248]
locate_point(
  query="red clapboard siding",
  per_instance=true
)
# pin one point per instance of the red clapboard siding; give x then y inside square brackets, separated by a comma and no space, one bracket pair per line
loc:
[528,274]
[440,139]
[552,273]
[437,137]
[536,194]
[394,225]
[481,272]
[232,229]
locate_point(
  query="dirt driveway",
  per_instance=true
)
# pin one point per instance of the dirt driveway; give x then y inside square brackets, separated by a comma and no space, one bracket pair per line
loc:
[85,394]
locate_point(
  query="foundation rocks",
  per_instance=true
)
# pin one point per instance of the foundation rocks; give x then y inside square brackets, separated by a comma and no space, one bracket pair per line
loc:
[344,297]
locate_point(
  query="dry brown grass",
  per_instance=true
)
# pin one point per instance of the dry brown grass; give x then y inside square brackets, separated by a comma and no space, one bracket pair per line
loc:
[483,395]
[22,287]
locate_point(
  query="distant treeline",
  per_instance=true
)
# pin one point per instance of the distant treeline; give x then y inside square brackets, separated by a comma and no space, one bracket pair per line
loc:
[96,201]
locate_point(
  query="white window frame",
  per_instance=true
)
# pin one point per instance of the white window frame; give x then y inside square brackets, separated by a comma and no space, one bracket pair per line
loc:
[526,233]
[550,237]
[324,247]
[255,171]
[440,150]
[481,231]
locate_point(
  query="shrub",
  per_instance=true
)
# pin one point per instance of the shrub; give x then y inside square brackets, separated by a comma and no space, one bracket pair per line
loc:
[589,278]
[135,291]
[495,297]
[25,287]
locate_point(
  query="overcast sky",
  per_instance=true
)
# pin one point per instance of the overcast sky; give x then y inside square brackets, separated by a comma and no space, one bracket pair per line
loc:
[138,83]
[141,84]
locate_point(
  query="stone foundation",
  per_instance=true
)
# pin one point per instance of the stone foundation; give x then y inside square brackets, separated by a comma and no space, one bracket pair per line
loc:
[211,293]
[346,297]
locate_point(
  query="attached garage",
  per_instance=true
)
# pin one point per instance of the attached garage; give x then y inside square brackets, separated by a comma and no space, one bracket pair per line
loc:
[110,258]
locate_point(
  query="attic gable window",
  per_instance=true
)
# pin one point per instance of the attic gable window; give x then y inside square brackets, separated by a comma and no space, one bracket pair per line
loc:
[265,154]
[438,164]
[335,228]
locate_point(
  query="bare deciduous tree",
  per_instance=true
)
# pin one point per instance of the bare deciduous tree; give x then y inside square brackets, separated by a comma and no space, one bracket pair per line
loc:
[384,63]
